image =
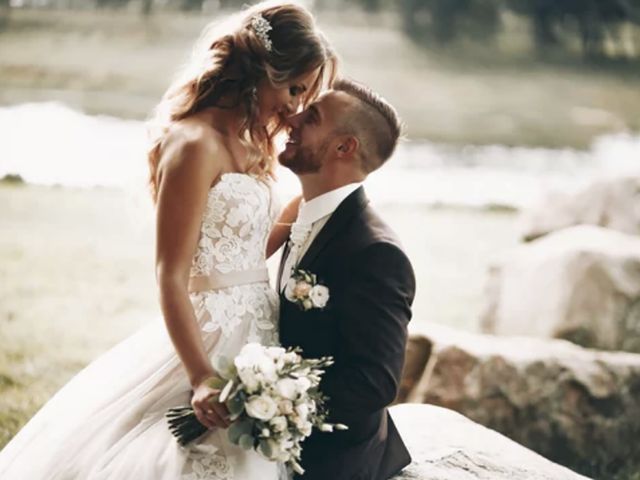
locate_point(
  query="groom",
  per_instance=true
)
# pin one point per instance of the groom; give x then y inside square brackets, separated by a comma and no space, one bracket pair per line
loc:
[333,145]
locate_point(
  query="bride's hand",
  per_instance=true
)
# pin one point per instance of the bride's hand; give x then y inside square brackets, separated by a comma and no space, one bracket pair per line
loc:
[209,411]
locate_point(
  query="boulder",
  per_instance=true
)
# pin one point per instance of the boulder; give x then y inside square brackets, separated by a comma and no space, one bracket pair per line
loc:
[445,445]
[574,406]
[580,284]
[417,355]
[612,203]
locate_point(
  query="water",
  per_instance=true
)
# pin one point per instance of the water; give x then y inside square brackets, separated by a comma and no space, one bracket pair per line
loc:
[49,143]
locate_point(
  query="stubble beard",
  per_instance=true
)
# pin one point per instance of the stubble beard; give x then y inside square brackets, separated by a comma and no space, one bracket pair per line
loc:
[306,159]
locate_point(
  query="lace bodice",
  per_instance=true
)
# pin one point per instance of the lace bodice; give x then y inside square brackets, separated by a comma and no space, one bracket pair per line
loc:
[235,226]
[238,217]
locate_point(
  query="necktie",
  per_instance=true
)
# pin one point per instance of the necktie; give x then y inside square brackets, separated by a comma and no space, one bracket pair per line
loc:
[298,237]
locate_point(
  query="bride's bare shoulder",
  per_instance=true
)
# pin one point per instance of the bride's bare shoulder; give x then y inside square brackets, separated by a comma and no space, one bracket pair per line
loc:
[191,141]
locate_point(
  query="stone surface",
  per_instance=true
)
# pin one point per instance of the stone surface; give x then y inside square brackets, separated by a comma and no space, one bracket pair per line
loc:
[612,203]
[574,406]
[445,445]
[581,284]
[416,358]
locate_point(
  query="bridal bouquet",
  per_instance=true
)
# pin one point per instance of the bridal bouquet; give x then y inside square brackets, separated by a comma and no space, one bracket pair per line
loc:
[273,397]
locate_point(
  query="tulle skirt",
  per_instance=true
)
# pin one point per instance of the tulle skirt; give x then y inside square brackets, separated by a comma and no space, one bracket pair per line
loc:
[108,421]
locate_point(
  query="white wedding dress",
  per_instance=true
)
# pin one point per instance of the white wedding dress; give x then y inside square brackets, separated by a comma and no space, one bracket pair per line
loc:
[108,422]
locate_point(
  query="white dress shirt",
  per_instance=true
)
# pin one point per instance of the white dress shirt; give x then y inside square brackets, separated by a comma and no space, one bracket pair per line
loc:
[315,212]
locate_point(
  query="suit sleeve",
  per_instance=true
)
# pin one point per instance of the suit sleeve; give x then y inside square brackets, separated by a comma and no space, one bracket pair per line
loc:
[373,315]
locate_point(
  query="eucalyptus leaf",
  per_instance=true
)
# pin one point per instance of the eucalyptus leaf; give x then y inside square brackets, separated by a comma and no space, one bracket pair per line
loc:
[216,383]
[246,442]
[235,404]
[226,368]
[265,448]
[239,428]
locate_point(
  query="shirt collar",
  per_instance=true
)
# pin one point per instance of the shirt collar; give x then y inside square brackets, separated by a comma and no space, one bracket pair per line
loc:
[325,204]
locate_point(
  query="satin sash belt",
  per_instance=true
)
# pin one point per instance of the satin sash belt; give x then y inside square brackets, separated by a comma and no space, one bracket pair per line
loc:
[217,280]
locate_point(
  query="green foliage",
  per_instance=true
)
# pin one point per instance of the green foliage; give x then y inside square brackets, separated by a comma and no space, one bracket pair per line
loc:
[265,448]
[238,429]
[235,404]
[246,442]
[553,24]
[12,178]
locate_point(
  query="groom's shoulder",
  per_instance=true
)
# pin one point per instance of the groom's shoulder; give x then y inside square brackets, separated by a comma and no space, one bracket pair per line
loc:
[370,231]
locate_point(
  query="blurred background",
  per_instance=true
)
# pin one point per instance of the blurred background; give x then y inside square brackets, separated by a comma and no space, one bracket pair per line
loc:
[505,102]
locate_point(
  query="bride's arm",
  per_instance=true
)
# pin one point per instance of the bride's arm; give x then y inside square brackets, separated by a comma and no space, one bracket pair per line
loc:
[282,228]
[186,173]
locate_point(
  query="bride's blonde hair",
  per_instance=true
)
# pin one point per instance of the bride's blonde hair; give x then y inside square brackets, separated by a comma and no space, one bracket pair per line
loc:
[229,61]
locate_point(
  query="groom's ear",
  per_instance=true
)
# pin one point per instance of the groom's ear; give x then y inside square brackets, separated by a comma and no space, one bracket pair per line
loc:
[347,146]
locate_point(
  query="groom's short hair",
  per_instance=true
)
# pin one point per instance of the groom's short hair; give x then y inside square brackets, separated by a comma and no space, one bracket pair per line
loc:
[373,120]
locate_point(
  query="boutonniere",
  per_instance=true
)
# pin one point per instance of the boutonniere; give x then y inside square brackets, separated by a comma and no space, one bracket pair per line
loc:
[304,290]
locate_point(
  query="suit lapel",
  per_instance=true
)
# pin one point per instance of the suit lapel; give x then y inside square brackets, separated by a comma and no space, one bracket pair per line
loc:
[283,259]
[338,220]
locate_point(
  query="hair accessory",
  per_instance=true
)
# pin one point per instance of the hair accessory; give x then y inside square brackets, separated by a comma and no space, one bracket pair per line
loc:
[261,27]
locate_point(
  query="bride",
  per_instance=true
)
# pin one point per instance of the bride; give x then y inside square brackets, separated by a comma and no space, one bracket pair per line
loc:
[211,166]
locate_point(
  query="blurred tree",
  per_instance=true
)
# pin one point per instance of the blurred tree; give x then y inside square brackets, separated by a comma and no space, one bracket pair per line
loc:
[443,21]
[234,4]
[371,5]
[592,20]
[192,5]
[5,10]
[147,7]
[111,3]
[596,25]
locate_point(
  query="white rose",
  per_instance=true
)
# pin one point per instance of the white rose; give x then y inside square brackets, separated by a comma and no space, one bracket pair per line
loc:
[250,356]
[275,352]
[302,384]
[279,423]
[305,429]
[319,295]
[261,407]
[287,388]
[267,368]
[302,410]
[249,379]
[289,289]
[285,407]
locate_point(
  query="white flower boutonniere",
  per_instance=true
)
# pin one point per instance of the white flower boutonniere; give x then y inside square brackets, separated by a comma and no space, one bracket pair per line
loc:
[304,290]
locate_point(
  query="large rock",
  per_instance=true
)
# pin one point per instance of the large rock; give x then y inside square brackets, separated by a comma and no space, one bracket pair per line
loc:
[577,407]
[580,284]
[445,445]
[612,203]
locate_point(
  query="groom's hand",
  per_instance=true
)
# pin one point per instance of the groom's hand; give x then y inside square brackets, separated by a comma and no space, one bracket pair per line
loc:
[209,411]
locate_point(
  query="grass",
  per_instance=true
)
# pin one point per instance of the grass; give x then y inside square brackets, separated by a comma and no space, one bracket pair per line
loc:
[71,286]
[118,64]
